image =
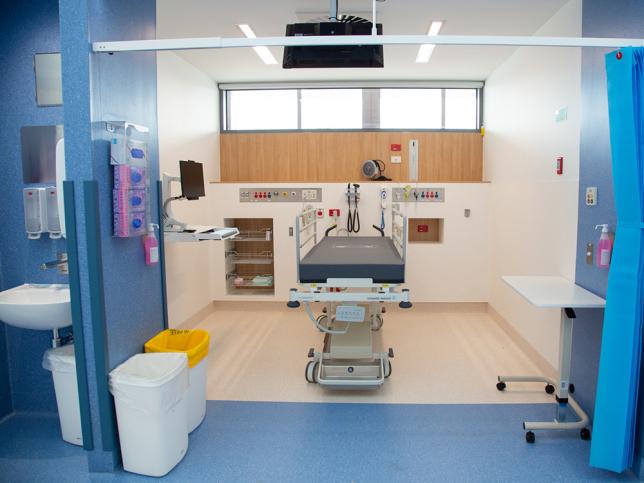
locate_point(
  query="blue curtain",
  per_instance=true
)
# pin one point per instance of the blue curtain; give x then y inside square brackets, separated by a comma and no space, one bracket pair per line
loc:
[619,365]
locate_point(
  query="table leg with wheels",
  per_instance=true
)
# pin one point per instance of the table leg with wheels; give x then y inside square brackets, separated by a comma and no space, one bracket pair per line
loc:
[561,388]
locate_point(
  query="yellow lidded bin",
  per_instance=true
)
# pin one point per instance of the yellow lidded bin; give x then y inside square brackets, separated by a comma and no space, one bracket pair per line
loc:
[196,345]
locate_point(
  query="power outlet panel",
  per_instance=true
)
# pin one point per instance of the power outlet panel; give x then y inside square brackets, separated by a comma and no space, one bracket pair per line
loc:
[591,196]
[419,194]
[280,195]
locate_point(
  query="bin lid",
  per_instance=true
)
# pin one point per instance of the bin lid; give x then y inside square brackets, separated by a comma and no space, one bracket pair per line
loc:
[60,359]
[194,343]
[149,370]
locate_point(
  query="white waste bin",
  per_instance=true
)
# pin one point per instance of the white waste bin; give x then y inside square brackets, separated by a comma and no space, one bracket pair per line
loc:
[150,398]
[197,394]
[62,364]
[196,345]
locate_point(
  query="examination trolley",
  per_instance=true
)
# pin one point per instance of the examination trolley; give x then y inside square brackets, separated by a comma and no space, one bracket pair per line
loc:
[351,277]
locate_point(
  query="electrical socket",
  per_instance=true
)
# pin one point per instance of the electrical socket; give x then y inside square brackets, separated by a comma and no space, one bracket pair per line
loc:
[591,196]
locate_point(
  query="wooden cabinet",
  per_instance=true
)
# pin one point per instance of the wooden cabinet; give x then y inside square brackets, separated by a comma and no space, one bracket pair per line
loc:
[250,266]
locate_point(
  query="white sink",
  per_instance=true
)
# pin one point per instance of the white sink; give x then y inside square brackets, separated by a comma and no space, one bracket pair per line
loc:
[35,306]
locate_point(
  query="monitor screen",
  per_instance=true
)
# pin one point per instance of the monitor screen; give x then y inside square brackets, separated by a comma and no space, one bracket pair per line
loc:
[192,185]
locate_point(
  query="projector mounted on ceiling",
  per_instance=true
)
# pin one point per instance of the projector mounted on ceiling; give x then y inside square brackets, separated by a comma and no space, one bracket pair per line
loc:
[342,56]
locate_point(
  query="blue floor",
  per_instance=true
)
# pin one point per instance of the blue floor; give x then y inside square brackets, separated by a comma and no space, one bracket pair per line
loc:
[282,442]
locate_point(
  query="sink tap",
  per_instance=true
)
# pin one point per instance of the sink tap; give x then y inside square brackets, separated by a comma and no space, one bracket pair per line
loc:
[60,263]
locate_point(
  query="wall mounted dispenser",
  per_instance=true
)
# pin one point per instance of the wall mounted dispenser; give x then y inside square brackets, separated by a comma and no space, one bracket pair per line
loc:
[35,215]
[604,247]
[41,212]
[51,210]
[131,206]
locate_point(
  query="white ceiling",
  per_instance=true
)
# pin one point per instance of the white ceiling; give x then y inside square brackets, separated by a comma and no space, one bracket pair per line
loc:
[211,18]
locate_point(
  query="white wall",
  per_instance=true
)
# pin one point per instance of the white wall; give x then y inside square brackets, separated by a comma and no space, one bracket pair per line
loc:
[188,115]
[455,271]
[534,211]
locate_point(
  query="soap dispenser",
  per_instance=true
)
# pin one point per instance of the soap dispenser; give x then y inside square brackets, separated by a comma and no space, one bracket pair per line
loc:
[151,245]
[604,247]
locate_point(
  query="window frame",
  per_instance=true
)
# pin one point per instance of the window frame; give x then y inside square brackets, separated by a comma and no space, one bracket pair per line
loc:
[370,108]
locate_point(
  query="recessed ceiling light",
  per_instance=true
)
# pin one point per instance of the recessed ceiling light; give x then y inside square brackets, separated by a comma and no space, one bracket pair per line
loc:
[262,51]
[425,51]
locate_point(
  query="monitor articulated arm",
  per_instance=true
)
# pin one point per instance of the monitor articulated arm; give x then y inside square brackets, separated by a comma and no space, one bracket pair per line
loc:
[170,223]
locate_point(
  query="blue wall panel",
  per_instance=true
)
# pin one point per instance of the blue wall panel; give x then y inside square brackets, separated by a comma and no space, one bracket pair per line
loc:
[618,18]
[27,27]
[109,87]
[125,89]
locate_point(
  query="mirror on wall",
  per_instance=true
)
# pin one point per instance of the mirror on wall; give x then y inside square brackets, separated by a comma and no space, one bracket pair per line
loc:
[49,84]
[38,145]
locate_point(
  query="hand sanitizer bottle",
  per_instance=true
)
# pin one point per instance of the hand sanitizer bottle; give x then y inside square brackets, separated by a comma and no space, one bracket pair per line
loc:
[604,247]
[151,245]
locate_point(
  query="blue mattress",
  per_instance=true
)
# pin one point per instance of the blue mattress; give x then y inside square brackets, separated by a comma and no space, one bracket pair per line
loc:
[353,257]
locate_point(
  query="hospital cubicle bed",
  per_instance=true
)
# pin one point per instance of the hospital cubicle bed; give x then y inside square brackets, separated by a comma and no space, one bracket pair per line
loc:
[353,277]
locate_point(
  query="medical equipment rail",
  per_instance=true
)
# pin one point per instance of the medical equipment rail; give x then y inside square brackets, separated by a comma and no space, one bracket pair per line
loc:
[347,360]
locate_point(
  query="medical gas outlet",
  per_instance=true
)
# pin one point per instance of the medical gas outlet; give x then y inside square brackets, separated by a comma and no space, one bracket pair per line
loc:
[272,195]
[419,194]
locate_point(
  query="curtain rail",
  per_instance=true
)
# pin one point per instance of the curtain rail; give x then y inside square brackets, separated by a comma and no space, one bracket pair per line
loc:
[478,40]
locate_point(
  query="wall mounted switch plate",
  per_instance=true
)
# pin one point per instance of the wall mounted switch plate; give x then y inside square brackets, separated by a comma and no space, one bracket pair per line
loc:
[396,159]
[561,115]
[591,196]
[290,231]
[589,253]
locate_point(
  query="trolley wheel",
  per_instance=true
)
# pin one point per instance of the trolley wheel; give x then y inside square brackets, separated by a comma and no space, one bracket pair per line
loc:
[310,372]
[387,368]
[529,437]
[500,385]
[550,388]
[571,389]
[584,434]
[376,322]
[315,372]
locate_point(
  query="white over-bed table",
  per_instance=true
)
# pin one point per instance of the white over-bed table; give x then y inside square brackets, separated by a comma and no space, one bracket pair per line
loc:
[549,292]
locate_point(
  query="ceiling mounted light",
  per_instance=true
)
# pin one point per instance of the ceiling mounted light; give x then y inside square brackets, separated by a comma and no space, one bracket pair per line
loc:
[425,50]
[262,51]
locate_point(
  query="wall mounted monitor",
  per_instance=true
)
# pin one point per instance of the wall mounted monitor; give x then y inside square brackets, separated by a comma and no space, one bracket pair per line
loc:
[192,183]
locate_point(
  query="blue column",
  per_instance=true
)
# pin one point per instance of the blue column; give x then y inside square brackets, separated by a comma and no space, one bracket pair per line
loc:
[122,301]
